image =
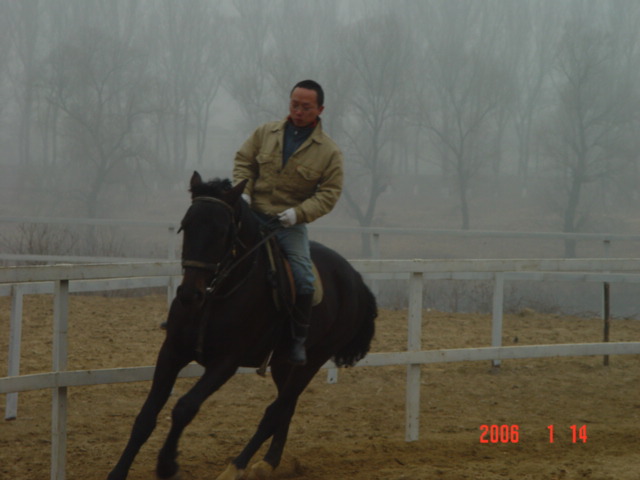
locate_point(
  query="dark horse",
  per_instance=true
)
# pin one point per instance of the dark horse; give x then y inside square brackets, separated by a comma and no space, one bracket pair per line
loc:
[224,316]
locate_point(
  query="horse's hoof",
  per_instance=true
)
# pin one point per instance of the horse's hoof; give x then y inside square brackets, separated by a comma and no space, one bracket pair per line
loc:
[231,473]
[260,471]
[168,470]
[175,476]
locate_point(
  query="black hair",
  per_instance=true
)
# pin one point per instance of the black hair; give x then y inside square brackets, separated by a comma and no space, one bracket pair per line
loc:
[311,85]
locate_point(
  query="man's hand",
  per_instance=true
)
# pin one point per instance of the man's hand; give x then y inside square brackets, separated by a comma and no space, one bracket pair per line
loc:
[288,217]
[246,198]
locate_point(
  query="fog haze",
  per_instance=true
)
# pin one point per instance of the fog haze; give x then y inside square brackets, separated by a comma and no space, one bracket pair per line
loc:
[491,114]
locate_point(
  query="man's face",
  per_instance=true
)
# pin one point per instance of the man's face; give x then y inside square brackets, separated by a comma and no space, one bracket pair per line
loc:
[303,107]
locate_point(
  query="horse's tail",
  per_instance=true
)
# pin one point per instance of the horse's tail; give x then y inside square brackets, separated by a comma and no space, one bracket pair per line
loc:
[360,344]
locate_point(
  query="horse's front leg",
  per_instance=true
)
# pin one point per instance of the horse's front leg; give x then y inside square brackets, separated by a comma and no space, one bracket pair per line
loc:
[186,409]
[164,378]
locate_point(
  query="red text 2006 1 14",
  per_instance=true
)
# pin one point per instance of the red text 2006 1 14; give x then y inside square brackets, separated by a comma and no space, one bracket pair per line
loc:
[511,433]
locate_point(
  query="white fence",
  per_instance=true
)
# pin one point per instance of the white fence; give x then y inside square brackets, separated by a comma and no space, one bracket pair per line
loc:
[63,279]
[167,232]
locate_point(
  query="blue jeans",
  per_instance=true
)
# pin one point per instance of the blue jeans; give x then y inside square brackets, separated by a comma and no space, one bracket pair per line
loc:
[294,242]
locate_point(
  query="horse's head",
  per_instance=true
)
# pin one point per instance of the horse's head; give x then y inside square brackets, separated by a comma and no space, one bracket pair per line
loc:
[210,229]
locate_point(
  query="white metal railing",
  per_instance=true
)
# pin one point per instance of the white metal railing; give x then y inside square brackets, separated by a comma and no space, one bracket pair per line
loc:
[66,278]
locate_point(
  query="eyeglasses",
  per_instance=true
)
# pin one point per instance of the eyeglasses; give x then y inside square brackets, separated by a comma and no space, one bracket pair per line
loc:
[301,107]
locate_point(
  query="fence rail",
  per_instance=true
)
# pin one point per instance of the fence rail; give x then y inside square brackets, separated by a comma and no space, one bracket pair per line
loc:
[63,279]
[112,222]
[374,233]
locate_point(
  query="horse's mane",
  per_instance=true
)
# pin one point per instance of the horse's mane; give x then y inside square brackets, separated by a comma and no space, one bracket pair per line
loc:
[213,188]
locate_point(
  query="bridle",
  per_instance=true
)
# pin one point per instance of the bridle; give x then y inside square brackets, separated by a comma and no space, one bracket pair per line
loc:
[227,264]
[229,260]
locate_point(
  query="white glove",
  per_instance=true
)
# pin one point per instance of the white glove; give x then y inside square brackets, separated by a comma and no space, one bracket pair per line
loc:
[288,217]
[246,198]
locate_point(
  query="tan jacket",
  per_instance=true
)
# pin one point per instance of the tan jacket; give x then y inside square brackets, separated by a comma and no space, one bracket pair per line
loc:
[311,181]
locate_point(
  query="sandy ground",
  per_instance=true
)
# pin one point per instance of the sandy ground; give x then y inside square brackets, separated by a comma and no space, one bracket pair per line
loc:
[353,429]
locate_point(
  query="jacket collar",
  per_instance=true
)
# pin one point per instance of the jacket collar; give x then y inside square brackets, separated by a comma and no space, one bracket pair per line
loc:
[316,135]
[313,124]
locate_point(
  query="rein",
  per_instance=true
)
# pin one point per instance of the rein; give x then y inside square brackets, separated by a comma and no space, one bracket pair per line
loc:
[224,267]
[221,275]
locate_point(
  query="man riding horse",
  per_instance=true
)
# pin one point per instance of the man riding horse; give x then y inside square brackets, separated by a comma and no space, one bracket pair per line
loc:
[294,170]
[288,170]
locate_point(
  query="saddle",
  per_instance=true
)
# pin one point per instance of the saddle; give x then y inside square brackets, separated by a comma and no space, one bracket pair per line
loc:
[280,278]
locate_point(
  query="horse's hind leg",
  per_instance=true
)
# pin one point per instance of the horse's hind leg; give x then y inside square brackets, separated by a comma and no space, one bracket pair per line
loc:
[166,372]
[291,382]
[292,385]
[185,410]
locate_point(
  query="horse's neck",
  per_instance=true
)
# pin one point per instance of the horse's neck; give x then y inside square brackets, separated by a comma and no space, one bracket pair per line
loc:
[249,231]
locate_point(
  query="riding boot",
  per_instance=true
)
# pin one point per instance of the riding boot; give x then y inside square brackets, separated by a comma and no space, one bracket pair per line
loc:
[300,327]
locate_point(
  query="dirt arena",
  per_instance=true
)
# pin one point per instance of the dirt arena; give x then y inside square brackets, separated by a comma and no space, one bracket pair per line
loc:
[353,429]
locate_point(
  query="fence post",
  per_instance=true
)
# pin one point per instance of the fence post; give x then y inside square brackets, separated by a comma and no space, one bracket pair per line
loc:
[59,403]
[375,245]
[375,254]
[15,340]
[332,375]
[607,319]
[414,344]
[496,321]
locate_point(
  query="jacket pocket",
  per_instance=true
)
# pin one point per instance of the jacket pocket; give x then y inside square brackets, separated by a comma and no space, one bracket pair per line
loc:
[302,183]
[269,167]
[308,174]
[267,160]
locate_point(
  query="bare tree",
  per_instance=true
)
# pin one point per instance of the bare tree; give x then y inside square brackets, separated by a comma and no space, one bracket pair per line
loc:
[377,67]
[190,49]
[5,50]
[292,59]
[460,90]
[24,25]
[249,83]
[102,87]
[532,39]
[586,135]
[623,21]
[276,47]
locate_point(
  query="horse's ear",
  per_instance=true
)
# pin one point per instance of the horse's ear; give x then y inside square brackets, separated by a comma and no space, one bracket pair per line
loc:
[233,195]
[196,179]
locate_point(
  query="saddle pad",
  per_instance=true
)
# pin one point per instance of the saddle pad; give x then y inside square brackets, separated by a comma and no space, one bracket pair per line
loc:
[317,285]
